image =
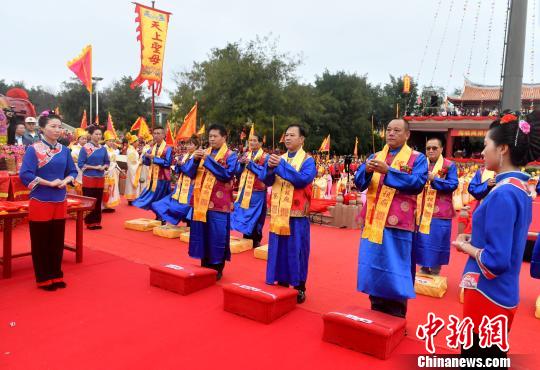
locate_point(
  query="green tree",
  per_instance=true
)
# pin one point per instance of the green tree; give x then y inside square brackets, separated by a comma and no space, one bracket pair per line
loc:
[348,102]
[73,99]
[124,103]
[237,84]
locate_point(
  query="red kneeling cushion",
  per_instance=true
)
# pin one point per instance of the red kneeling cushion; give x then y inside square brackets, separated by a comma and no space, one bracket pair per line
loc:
[363,330]
[184,279]
[263,303]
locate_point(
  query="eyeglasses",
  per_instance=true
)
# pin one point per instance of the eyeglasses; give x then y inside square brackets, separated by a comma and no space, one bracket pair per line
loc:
[432,148]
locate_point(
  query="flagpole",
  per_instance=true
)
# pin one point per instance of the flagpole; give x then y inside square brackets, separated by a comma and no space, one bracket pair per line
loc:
[273,133]
[90,107]
[372,134]
[153,93]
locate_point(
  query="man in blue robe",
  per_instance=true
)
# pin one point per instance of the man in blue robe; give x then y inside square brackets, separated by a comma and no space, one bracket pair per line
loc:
[291,177]
[432,247]
[159,158]
[213,171]
[249,214]
[385,266]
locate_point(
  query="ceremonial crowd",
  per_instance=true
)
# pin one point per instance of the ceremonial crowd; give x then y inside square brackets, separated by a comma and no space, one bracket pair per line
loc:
[409,200]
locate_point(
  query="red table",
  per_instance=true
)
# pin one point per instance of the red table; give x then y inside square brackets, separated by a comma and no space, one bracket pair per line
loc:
[86,204]
[11,187]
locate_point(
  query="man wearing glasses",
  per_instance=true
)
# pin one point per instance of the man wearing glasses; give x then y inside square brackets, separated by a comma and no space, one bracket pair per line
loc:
[435,211]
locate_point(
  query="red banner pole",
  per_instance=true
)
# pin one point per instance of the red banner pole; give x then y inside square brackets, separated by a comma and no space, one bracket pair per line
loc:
[153,94]
[153,108]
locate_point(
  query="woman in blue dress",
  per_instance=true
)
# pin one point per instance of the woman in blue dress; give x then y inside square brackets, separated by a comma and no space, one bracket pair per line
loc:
[93,162]
[499,232]
[46,170]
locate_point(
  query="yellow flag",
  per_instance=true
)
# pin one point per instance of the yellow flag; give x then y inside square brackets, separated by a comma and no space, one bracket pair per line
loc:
[201,131]
[153,24]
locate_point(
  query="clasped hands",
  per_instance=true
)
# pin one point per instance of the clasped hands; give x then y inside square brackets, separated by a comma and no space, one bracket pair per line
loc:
[200,154]
[274,160]
[374,165]
[59,183]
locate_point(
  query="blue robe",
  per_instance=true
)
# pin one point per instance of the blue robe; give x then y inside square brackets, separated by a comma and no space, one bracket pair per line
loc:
[500,227]
[535,260]
[210,241]
[288,255]
[98,157]
[385,270]
[163,187]
[477,188]
[433,249]
[58,164]
[171,210]
[251,219]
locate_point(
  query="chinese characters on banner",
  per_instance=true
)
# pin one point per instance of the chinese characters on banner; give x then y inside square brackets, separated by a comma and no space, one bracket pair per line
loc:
[468,133]
[491,332]
[152,34]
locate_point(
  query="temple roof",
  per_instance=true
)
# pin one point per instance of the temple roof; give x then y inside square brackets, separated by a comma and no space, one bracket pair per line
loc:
[477,92]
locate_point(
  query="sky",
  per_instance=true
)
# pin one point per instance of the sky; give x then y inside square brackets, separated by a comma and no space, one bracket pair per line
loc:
[373,38]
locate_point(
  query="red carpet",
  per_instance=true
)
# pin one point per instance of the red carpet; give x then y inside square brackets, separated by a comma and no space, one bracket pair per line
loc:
[109,317]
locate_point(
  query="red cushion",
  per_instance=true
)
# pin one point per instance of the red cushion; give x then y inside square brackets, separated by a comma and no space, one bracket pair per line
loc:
[184,279]
[363,330]
[263,303]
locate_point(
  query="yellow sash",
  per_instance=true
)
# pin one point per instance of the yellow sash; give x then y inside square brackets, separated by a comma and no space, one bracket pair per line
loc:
[282,197]
[154,168]
[202,190]
[425,214]
[487,175]
[247,180]
[377,213]
[182,191]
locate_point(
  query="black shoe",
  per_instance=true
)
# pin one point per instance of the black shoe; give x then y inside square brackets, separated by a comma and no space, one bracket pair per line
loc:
[48,288]
[301,297]
[285,285]
[219,275]
[60,284]
[109,210]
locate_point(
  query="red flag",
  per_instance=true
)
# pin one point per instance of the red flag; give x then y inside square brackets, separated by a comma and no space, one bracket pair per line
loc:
[189,127]
[169,139]
[325,145]
[82,67]
[136,125]
[96,121]
[84,121]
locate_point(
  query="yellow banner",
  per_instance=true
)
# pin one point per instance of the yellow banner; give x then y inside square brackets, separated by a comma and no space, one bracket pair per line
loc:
[152,29]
